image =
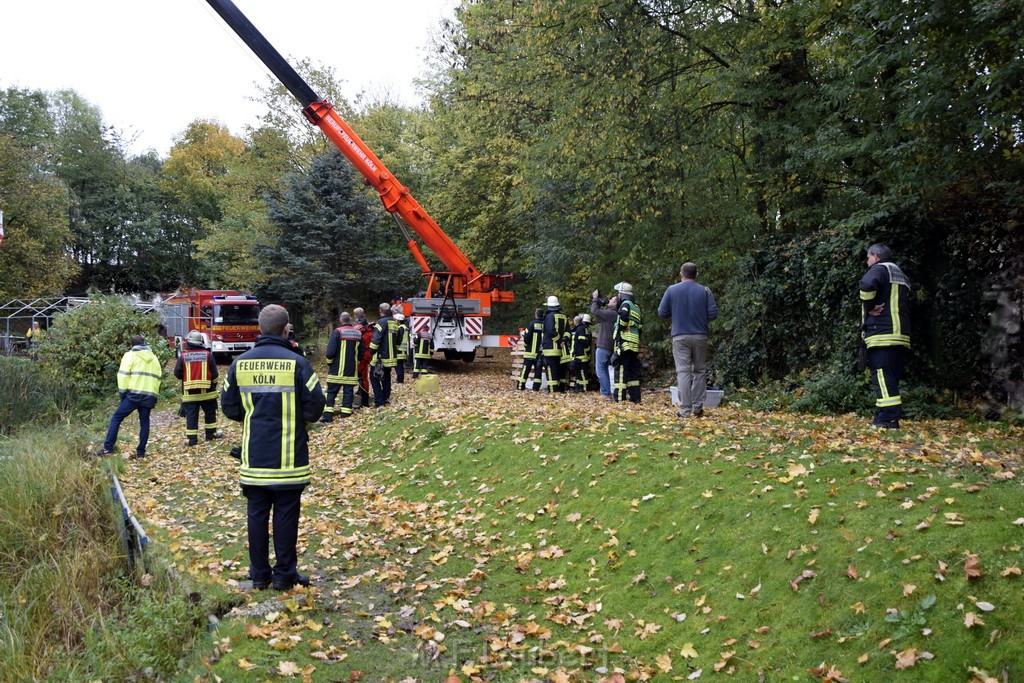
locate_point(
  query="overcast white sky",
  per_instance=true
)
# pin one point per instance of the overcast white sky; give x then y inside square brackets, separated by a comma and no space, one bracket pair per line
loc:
[154,66]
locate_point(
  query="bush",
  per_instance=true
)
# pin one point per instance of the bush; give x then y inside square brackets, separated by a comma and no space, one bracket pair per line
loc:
[28,396]
[85,345]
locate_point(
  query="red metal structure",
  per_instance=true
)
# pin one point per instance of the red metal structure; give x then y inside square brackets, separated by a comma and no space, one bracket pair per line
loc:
[457,299]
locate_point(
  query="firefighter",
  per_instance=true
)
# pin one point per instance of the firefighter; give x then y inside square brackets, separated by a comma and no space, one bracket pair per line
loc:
[366,330]
[197,370]
[401,347]
[138,384]
[382,360]
[626,339]
[554,339]
[581,351]
[885,325]
[422,353]
[533,334]
[273,392]
[344,349]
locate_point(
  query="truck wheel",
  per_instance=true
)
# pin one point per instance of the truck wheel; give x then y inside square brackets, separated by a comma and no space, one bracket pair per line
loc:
[468,356]
[451,354]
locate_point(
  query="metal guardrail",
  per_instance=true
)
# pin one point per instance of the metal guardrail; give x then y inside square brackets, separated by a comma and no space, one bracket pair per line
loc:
[131,532]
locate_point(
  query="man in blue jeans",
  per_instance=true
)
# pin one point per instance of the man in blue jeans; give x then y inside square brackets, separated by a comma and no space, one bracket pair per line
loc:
[691,306]
[605,313]
[138,383]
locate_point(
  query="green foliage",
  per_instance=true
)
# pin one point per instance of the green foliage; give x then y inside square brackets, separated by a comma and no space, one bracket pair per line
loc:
[85,345]
[58,549]
[30,396]
[333,249]
[34,260]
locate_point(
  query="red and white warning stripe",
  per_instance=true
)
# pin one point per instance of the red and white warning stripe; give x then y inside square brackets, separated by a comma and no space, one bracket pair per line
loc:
[473,325]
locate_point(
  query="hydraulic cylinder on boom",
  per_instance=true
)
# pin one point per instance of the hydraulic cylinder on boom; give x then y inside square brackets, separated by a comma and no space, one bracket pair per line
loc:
[456,300]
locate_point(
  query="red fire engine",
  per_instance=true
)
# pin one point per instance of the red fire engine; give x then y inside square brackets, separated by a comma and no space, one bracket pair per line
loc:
[227,319]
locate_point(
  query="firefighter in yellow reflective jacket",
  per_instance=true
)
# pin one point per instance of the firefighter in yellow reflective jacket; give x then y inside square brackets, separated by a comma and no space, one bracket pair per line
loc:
[383,358]
[555,338]
[885,297]
[138,383]
[273,392]
[533,334]
[344,349]
[197,370]
[626,345]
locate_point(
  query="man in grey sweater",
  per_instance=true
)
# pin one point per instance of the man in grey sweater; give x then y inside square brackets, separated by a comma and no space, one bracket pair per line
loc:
[691,306]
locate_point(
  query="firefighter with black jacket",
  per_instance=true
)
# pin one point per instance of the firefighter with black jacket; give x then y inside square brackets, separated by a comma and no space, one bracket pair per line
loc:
[626,345]
[581,341]
[273,392]
[555,327]
[197,370]
[885,325]
[366,330]
[382,360]
[401,347]
[344,349]
[423,350]
[533,334]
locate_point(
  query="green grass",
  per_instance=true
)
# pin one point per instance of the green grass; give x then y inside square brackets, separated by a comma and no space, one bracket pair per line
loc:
[69,609]
[565,539]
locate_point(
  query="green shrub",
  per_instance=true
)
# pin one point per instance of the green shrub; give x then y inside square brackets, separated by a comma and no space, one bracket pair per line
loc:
[85,345]
[29,396]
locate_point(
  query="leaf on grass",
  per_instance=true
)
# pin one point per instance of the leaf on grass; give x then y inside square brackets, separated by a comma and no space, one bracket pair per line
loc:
[908,588]
[696,674]
[821,634]
[972,567]
[985,606]
[687,651]
[851,571]
[245,664]
[907,658]
[971,619]
[288,669]
[664,663]
[1010,571]
[813,517]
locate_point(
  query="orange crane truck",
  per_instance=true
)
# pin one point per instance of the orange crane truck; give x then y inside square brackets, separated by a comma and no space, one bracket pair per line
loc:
[455,301]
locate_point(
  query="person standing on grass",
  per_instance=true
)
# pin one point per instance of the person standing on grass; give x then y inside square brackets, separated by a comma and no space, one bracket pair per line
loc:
[532,359]
[273,392]
[605,312]
[344,348]
[691,306]
[197,370]
[626,346]
[885,325]
[138,383]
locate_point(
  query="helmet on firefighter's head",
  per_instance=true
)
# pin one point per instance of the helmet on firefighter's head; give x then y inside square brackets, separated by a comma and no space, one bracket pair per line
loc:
[553,302]
[195,337]
[399,317]
[587,319]
[624,288]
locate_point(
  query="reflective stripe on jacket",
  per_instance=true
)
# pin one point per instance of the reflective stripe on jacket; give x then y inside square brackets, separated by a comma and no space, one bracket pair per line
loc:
[628,326]
[885,284]
[139,375]
[273,392]
[344,349]
[198,373]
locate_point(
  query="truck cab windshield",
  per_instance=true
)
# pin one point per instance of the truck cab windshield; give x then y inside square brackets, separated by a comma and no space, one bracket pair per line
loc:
[236,314]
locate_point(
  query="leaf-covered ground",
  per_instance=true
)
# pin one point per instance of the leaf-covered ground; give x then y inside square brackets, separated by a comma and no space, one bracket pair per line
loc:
[485,534]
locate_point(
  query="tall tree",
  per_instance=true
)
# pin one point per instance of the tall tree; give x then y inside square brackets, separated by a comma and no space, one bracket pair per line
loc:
[334,247]
[35,260]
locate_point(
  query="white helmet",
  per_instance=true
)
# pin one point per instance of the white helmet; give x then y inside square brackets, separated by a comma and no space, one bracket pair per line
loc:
[399,317]
[195,337]
[553,302]
[624,288]
[586,318]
